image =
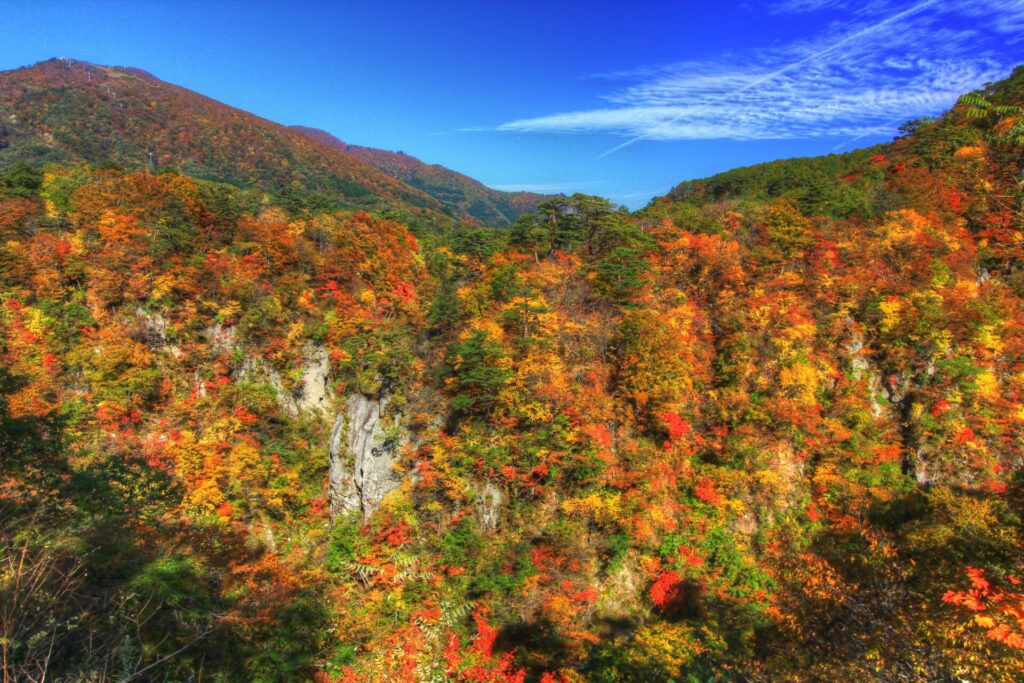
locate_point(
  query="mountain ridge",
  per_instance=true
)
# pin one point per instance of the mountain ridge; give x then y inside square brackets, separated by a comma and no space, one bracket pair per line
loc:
[456,190]
[64,110]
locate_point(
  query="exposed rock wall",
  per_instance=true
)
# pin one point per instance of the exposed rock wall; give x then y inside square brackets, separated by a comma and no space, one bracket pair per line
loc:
[488,503]
[258,370]
[151,329]
[901,394]
[364,444]
[863,368]
[222,338]
[364,439]
[315,393]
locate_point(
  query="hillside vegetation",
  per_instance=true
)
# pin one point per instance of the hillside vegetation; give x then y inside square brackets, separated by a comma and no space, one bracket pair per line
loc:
[769,428]
[461,194]
[62,111]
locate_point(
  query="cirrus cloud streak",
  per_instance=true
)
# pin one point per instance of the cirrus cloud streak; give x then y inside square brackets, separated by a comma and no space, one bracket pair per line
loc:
[904,61]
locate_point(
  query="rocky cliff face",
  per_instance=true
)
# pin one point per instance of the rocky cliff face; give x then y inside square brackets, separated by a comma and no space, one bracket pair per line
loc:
[365,441]
[860,363]
[365,438]
[315,393]
[489,503]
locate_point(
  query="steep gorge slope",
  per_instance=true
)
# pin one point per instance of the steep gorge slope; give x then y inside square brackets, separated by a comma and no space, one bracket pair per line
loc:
[766,429]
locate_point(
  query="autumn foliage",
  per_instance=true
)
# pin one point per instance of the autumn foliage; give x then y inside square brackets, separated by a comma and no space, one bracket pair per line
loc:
[767,428]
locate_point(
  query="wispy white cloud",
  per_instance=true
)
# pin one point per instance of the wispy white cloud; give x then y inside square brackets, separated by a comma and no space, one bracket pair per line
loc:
[549,188]
[635,197]
[891,61]
[805,6]
[800,6]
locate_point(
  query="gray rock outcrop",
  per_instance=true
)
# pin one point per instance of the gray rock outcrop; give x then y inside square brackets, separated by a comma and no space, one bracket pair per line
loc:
[222,338]
[314,393]
[863,368]
[153,327]
[364,445]
[256,369]
[488,503]
[152,330]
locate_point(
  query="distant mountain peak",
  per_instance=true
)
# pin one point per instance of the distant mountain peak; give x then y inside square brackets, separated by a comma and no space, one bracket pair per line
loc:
[66,110]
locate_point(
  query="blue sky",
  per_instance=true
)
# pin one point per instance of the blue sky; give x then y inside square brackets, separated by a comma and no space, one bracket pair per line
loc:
[619,99]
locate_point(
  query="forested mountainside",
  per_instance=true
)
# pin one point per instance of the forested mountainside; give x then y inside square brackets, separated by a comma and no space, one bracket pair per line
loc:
[768,428]
[461,194]
[63,111]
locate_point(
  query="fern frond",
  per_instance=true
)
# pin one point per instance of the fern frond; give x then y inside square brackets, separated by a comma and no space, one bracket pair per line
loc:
[974,100]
